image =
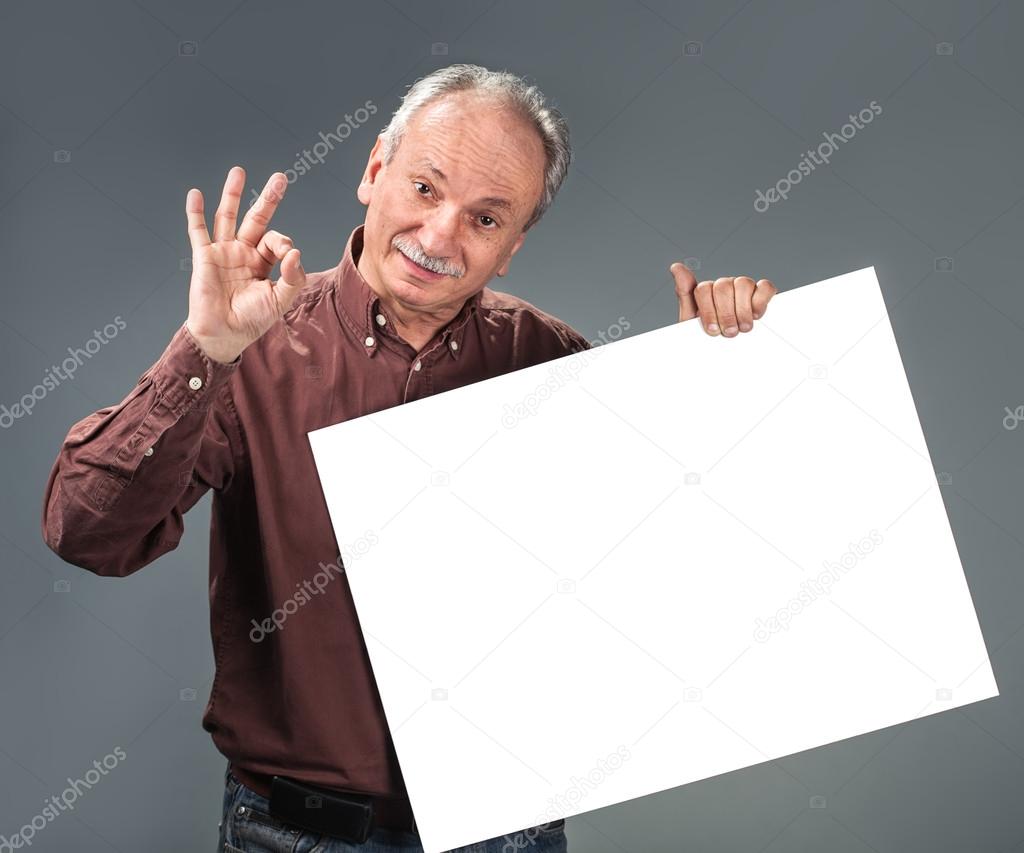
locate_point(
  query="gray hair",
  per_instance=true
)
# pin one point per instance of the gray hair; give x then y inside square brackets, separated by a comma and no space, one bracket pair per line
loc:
[510,91]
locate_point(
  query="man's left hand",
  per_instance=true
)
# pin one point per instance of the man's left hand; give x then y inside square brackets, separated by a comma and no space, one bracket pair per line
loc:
[726,306]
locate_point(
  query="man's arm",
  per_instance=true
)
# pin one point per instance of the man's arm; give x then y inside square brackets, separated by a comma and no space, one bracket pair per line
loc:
[112,506]
[127,474]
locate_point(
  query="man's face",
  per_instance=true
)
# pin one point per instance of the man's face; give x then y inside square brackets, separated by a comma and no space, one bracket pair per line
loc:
[464,181]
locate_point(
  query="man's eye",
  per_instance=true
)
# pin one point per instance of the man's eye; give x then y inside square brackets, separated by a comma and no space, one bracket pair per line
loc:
[489,222]
[419,184]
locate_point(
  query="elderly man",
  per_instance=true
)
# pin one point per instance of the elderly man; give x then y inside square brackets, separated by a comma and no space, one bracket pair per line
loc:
[467,165]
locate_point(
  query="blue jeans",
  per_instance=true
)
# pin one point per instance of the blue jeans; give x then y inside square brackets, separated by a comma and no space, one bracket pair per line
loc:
[248,827]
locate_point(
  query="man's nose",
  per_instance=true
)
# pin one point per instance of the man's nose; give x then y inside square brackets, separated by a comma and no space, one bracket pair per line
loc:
[439,234]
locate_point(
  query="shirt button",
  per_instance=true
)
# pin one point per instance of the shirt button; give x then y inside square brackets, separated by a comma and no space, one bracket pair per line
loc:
[195,383]
[368,342]
[149,451]
[417,365]
[381,319]
[454,345]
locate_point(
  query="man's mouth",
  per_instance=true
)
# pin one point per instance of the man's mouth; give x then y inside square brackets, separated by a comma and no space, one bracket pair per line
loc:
[419,272]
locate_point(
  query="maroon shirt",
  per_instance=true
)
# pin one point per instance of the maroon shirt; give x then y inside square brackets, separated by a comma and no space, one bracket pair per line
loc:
[300,701]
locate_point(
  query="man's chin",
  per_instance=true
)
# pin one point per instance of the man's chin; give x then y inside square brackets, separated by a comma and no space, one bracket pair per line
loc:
[410,291]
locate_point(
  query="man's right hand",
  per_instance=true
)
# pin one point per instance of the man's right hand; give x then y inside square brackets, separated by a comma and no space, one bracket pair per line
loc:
[231,302]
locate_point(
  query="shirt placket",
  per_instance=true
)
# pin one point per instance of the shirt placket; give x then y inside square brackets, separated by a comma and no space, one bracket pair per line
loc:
[420,371]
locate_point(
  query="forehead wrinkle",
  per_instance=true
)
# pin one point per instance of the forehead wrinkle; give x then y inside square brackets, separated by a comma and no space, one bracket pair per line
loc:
[479,154]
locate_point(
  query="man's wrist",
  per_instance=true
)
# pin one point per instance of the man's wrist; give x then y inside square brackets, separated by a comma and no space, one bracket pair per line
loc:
[214,349]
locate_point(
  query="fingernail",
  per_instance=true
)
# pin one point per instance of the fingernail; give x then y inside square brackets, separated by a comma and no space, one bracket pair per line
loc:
[712,328]
[731,330]
[744,327]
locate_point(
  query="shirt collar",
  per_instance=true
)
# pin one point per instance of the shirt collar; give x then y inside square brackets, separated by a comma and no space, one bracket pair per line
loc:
[358,305]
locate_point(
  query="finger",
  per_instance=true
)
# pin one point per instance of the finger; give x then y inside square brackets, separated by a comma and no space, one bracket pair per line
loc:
[765,291]
[292,280]
[273,246]
[685,281]
[744,286]
[725,306]
[258,217]
[227,210]
[702,294]
[198,236]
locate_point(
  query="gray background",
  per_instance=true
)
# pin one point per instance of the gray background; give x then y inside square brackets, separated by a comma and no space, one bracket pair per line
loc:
[669,151]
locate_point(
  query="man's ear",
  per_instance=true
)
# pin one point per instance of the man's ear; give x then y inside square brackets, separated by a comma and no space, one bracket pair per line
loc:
[373,165]
[503,270]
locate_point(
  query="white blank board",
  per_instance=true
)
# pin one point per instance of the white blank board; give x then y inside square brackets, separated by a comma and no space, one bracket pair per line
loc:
[568,575]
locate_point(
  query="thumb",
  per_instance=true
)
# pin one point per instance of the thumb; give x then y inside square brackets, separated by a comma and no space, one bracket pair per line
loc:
[292,280]
[685,281]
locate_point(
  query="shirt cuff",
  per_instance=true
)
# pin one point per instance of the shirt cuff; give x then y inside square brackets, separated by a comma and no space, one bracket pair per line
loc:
[185,376]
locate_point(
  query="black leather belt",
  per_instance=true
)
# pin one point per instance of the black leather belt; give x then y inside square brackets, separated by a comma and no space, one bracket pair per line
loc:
[347,815]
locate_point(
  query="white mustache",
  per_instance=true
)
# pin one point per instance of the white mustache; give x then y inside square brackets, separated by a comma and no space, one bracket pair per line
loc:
[417,255]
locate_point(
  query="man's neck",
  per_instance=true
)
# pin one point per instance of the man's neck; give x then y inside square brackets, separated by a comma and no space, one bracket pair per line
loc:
[416,328]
